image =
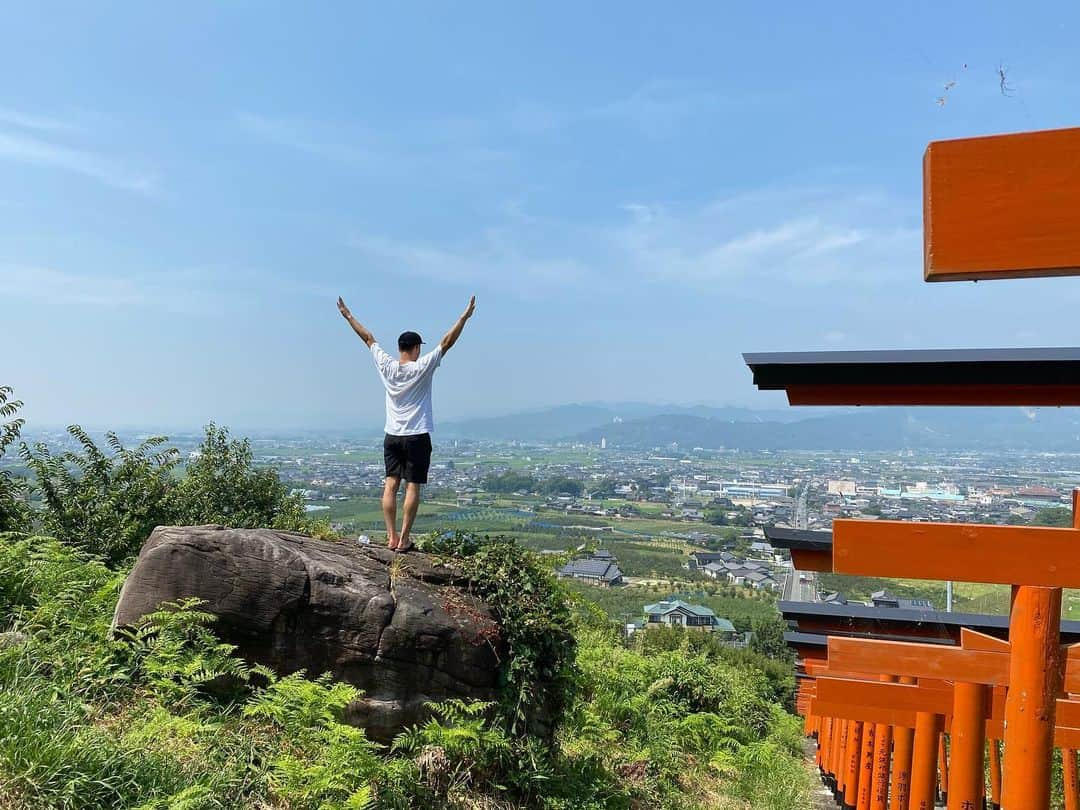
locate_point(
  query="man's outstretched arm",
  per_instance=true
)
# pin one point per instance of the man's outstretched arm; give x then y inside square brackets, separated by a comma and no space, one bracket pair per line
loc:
[359,328]
[450,338]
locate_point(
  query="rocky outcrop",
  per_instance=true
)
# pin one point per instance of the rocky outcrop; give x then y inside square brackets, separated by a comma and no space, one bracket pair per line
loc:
[400,627]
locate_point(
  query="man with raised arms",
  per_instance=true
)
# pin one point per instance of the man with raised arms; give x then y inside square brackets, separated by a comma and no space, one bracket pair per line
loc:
[409,421]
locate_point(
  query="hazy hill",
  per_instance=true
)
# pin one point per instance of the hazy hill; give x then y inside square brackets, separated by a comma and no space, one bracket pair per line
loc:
[869,429]
[649,425]
[567,421]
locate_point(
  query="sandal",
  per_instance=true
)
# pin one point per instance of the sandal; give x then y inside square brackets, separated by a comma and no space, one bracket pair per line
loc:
[402,550]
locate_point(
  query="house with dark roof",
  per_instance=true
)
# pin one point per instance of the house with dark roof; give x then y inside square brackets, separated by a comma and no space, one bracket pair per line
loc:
[885,599]
[699,559]
[677,613]
[599,569]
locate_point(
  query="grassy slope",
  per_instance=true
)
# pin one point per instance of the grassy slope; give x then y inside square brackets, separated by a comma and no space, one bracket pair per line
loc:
[86,722]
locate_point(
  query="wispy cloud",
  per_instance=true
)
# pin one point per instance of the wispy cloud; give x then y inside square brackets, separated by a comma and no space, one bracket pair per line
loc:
[493,259]
[43,283]
[660,108]
[18,118]
[443,147]
[186,291]
[306,136]
[797,237]
[20,147]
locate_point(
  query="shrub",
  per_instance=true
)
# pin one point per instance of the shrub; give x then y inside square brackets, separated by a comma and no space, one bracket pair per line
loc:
[222,485]
[106,504]
[13,513]
[534,616]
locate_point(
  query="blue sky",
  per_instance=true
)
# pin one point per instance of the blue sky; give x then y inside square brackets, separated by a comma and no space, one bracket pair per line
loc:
[635,192]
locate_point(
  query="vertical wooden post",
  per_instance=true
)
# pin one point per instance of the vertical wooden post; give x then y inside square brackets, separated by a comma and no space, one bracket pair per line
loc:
[968,743]
[879,782]
[840,760]
[866,767]
[1030,706]
[883,737]
[995,775]
[1034,685]
[943,769]
[900,788]
[851,771]
[831,726]
[1068,756]
[924,761]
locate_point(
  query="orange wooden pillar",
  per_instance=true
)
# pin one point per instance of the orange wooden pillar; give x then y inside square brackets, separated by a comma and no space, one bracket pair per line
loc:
[942,769]
[883,736]
[1034,684]
[903,744]
[851,764]
[968,743]
[839,760]
[834,742]
[1068,755]
[924,761]
[883,739]
[866,767]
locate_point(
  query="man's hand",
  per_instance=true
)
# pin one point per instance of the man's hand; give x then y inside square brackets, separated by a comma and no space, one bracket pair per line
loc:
[450,338]
[364,334]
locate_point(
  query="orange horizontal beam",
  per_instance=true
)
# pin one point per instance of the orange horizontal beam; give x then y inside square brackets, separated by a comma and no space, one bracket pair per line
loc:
[919,660]
[867,714]
[883,695]
[974,640]
[972,552]
[1004,206]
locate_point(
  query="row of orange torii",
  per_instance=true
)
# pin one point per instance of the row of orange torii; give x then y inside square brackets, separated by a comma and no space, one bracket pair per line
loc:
[1005,206]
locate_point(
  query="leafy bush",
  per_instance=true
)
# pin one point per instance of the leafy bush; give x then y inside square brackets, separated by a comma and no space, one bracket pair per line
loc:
[107,501]
[91,721]
[13,514]
[223,486]
[534,616]
[106,504]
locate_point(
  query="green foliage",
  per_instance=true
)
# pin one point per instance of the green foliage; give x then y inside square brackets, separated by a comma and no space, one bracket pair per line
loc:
[104,503]
[658,712]
[13,512]
[457,748]
[176,653]
[144,721]
[107,501]
[533,614]
[333,763]
[509,481]
[222,486]
[1050,516]
[561,485]
[769,638]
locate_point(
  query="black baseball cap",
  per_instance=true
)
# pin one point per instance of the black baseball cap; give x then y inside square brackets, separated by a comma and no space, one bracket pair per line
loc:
[406,340]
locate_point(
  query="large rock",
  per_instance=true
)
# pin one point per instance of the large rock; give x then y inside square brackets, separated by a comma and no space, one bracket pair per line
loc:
[401,627]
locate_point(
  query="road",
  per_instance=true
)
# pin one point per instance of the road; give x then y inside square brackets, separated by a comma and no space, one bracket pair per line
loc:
[797,590]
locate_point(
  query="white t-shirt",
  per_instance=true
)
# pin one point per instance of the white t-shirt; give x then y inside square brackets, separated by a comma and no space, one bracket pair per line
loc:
[408,391]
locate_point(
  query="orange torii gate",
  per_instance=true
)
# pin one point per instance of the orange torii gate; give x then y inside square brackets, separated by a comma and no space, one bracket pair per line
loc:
[996,207]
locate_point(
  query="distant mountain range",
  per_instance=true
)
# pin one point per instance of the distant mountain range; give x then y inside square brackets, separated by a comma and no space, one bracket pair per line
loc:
[642,425]
[568,421]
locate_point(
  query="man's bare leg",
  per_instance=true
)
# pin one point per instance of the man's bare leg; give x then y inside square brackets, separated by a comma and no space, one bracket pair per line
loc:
[412,503]
[389,509]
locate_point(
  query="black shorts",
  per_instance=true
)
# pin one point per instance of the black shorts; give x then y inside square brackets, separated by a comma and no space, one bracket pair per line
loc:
[407,457]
